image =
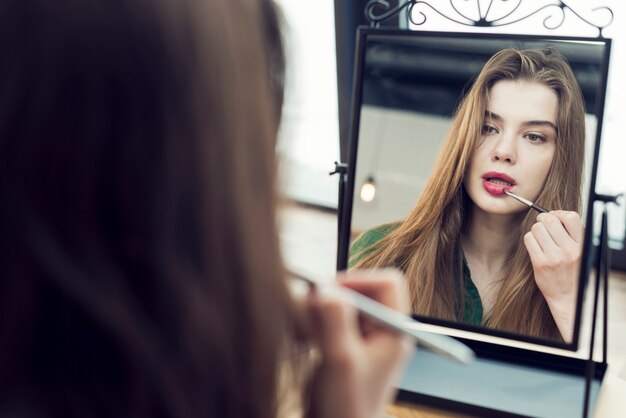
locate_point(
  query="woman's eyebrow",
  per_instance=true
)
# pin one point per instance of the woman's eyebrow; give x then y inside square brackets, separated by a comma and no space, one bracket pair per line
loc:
[541,123]
[495,116]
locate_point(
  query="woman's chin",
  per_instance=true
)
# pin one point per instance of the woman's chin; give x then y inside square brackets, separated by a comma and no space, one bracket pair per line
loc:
[501,208]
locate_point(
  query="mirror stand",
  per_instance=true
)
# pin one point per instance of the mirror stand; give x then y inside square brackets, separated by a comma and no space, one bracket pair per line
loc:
[602,265]
[342,170]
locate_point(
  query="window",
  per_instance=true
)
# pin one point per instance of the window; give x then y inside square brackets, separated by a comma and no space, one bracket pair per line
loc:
[309,136]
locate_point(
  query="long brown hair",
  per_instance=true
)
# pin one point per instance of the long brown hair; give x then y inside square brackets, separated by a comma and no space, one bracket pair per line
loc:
[141,267]
[426,243]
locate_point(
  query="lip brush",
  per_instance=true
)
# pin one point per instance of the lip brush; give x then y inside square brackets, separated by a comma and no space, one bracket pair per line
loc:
[526,202]
[441,344]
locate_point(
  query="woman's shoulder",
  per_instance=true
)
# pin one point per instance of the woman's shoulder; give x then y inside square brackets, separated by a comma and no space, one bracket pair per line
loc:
[371,236]
[368,239]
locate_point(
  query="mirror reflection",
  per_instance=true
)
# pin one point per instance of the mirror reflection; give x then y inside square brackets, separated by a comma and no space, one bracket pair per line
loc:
[448,127]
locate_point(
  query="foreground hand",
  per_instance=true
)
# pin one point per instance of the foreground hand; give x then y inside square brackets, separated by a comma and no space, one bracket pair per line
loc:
[555,245]
[360,359]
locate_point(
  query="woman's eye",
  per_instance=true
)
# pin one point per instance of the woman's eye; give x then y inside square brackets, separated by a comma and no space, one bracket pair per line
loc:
[535,138]
[489,129]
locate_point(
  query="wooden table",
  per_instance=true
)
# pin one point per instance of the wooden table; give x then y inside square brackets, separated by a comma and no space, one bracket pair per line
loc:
[408,410]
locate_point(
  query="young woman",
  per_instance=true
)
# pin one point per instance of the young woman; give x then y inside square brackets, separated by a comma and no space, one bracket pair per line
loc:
[470,252]
[141,273]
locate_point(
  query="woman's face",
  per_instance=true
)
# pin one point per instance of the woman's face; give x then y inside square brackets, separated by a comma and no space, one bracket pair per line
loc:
[517,146]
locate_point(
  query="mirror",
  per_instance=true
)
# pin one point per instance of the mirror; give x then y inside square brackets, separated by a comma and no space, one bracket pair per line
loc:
[443,125]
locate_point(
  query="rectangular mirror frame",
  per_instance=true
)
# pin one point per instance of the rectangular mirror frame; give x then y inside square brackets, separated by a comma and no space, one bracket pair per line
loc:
[345,215]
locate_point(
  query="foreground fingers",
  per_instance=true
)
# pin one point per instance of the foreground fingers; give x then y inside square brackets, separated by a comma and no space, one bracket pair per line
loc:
[383,285]
[358,368]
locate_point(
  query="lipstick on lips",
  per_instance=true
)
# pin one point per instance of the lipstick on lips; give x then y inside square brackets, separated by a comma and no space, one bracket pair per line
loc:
[496,183]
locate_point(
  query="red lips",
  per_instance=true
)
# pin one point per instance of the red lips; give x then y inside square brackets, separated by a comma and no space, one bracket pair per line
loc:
[495,183]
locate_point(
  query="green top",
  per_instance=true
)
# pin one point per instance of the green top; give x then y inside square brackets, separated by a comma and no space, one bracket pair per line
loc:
[365,241]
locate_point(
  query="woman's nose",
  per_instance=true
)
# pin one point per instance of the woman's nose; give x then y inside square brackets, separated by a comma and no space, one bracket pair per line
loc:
[504,150]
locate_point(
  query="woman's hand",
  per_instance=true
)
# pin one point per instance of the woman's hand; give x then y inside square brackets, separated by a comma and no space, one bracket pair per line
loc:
[555,245]
[360,359]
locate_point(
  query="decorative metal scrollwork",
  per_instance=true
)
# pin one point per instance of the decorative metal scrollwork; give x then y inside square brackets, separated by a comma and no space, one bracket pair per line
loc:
[378,11]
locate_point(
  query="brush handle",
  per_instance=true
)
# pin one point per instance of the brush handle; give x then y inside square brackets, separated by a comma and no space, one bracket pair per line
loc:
[397,321]
[394,320]
[526,202]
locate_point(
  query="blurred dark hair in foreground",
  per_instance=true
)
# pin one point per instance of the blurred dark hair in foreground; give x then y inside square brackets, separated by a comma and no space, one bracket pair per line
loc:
[141,273]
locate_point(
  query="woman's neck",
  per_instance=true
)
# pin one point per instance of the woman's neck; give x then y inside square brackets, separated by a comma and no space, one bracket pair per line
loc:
[490,239]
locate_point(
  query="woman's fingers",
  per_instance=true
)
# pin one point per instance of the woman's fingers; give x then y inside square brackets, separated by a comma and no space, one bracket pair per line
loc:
[554,228]
[387,287]
[534,249]
[383,285]
[545,240]
[554,244]
[554,253]
[360,359]
[334,325]
[559,231]
[572,223]
[337,325]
